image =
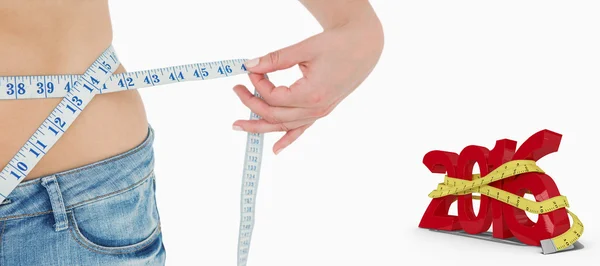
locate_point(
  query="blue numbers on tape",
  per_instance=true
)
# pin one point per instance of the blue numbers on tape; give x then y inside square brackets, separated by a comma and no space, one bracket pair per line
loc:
[78,90]
[58,86]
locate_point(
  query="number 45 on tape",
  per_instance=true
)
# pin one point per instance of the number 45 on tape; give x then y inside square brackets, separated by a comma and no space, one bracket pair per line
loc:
[506,175]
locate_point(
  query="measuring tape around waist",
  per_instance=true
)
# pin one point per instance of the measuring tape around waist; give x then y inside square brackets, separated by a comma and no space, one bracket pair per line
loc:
[478,184]
[78,90]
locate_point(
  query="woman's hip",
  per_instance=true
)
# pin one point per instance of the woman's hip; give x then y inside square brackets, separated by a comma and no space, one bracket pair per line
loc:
[103,213]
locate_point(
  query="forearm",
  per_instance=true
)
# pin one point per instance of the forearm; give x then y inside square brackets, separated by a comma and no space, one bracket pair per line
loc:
[334,13]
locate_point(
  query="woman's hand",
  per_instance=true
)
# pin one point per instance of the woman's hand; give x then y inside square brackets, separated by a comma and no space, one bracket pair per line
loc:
[333,63]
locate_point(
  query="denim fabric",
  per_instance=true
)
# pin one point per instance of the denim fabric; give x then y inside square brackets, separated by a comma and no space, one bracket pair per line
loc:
[100,214]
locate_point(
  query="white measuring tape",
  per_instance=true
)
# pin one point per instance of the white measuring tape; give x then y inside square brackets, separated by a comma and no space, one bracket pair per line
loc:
[78,90]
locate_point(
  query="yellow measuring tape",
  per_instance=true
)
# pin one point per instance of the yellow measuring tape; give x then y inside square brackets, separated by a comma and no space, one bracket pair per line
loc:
[454,186]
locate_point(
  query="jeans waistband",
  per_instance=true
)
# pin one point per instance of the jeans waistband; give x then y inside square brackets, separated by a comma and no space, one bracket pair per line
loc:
[81,185]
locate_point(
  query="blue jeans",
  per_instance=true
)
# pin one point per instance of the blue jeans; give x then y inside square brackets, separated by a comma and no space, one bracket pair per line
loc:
[100,214]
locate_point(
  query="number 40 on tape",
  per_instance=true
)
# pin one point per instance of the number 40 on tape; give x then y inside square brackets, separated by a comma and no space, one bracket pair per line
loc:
[506,175]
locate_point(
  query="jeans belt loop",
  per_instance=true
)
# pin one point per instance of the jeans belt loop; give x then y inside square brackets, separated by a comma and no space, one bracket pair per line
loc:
[61,221]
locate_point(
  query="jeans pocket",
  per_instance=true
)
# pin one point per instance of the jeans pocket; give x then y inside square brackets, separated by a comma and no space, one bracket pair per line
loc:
[119,224]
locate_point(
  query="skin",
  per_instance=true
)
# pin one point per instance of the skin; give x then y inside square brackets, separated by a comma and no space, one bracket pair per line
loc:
[32,42]
[333,64]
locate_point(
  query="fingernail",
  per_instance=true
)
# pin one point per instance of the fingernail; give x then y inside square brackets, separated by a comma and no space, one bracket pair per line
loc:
[277,151]
[237,128]
[252,63]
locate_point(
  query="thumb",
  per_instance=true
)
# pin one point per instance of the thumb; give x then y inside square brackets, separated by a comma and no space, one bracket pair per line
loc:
[279,59]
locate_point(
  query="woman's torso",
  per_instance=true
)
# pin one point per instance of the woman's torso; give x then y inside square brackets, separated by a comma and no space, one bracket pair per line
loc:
[54,37]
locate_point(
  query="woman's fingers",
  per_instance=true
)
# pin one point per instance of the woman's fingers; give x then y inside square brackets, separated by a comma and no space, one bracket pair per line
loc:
[289,138]
[299,94]
[283,58]
[278,96]
[273,114]
[263,126]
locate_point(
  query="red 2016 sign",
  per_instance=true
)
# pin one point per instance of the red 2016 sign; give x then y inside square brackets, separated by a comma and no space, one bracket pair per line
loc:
[507,220]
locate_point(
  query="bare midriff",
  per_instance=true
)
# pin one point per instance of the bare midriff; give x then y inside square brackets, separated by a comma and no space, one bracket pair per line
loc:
[54,37]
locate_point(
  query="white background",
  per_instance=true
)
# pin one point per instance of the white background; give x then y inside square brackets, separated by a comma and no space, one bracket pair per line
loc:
[352,189]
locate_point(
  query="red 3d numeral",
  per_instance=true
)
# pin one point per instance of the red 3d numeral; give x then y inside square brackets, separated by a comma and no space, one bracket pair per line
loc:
[542,187]
[436,216]
[502,153]
[471,223]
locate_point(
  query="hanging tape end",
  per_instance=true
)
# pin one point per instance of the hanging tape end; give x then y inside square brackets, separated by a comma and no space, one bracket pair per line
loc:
[548,247]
